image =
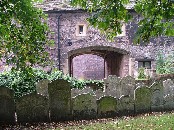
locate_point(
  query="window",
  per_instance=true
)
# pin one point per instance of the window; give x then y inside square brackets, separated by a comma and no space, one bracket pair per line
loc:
[81,30]
[144,64]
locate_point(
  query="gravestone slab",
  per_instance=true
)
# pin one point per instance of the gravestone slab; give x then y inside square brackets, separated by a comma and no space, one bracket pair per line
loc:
[125,105]
[107,106]
[75,92]
[60,100]
[169,102]
[7,109]
[87,90]
[112,86]
[84,107]
[142,98]
[32,108]
[42,87]
[157,99]
[99,94]
[168,87]
[127,85]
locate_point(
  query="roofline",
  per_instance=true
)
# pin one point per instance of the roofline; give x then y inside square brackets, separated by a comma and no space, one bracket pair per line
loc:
[65,11]
[75,10]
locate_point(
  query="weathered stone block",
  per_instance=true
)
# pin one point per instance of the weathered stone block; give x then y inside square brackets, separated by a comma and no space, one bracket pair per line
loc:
[169,102]
[168,87]
[32,108]
[7,109]
[99,94]
[84,107]
[60,100]
[157,99]
[75,92]
[112,84]
[42,87]
[107,106]
[125,106]
[142,99]
[127,86]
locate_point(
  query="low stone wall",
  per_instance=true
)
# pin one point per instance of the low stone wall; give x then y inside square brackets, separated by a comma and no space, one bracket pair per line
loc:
[56,101]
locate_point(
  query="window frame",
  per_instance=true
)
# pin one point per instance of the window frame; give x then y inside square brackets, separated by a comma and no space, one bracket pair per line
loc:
[78,30]
[144,61]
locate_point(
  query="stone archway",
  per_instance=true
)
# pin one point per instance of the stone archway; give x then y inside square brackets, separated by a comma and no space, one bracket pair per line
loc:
[115,59]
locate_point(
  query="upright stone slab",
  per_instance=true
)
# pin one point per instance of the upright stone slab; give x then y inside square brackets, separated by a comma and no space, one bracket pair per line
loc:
[84,107]
[75,92]
[168,87]
[60,100]
[142,97]
[125,106]
[32,108]
[127,85]
[87,90]
[107,107]
[99,94]
[7,106]
[157,99]
[42,87]
[169,102]
[112,88]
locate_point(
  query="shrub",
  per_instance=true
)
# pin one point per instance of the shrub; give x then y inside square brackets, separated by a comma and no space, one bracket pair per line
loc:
[141,74]
[23,82]
[165,64]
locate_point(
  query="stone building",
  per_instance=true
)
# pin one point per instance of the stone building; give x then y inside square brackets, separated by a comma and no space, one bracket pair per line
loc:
[81,51]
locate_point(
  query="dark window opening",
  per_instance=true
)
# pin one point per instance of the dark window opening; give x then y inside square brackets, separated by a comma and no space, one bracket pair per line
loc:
[144,64]
[81,29]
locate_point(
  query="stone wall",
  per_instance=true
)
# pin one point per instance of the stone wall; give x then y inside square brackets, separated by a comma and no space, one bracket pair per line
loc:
[93,42]
[69,20]
[120,97]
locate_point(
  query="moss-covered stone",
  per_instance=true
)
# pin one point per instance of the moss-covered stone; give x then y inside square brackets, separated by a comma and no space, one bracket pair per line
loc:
[7,106]
[142,99]
[60,100]
[157,99]
[84,107]
[32,108]
[125,106]
[107,106]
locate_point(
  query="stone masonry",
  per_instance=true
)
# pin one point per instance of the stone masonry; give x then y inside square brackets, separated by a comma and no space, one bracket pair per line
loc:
[118,58]
[90,55]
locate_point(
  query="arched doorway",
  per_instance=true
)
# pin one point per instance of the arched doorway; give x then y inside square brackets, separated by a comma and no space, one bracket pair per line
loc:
[106,61]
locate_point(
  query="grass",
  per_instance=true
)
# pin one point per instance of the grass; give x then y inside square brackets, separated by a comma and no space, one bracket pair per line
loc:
[154,121]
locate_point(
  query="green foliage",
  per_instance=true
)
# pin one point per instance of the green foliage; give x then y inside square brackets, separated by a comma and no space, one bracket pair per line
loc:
[24,82]
[165,64]
[141,74]
[23,34]
[108,16]
[157,19]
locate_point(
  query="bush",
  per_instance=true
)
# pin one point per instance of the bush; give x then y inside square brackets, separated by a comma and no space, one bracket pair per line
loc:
[165,64]
[24,82]
[141,74]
